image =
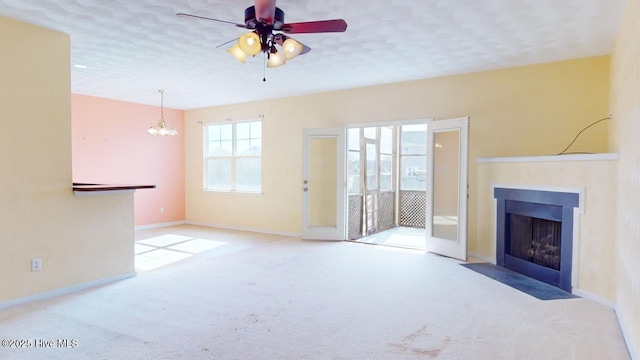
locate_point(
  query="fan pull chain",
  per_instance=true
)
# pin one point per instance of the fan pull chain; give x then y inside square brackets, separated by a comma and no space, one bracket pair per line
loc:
[264,68]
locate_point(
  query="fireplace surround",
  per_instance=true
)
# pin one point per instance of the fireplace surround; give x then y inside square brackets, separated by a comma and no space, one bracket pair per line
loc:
[534,233]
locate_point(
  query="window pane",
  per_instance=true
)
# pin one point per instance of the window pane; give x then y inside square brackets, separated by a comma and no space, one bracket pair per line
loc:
[249,138]
[256,147]
[242,146]
[213,132]
[249,147]
[413,139]
[226,132]
[354,139]
[386,171]
[243,131]
[370,132]
[248,174]
[219,148]
[386,140]
[256,129]
[414,173]
[219,174]
[353,172]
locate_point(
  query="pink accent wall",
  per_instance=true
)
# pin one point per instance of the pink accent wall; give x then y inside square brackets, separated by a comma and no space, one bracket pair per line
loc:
[110,145]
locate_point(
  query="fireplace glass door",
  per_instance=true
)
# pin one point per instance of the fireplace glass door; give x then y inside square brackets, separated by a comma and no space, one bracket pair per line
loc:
[535,240]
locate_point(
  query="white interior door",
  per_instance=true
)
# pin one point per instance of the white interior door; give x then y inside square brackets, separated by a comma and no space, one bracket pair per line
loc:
[323,185]
[447,158]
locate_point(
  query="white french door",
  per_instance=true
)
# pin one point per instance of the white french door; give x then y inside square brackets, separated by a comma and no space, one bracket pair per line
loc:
[447,160]
[323,185]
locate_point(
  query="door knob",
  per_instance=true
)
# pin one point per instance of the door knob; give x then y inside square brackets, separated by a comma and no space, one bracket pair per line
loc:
[306,189]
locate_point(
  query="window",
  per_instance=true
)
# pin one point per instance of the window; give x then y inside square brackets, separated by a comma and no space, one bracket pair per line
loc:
[233,156]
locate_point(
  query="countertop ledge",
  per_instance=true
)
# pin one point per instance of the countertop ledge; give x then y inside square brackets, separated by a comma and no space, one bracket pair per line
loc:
[86,188]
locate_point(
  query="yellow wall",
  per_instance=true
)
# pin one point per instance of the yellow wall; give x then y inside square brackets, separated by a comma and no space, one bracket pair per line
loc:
[625,138]
[596,247]
[533,110]
[79,239]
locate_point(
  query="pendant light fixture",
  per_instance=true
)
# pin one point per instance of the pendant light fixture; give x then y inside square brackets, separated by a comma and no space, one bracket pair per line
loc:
[162,128]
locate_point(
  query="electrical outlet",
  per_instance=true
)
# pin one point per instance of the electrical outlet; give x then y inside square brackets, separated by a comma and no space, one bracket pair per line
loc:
[161,210]
[36,264]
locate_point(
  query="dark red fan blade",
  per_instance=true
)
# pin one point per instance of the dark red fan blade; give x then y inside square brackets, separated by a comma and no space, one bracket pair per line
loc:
[212,19]
[323,26]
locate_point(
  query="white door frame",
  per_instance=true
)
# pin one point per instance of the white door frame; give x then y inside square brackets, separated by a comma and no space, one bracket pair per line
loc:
[455,249]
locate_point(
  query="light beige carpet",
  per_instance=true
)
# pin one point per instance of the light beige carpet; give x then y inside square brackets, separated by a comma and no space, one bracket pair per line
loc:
[288,299]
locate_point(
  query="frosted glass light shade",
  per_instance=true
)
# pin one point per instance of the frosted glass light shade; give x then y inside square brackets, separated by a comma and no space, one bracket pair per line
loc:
[291,48]
[162,129]
[237,53]
[275,60]
[250,43]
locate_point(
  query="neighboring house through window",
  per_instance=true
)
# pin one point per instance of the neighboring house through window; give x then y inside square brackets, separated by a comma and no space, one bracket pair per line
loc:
[233,156]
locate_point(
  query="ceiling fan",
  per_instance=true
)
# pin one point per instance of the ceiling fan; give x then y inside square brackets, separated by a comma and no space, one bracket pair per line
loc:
[269,29]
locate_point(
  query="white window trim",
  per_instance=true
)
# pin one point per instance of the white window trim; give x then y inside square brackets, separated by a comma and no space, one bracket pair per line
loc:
[233,158]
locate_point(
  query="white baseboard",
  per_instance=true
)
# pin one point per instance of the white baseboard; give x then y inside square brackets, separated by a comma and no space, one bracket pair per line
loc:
[160,225]
[595,298]
[244,228]
[482,257]
[64,291]
[625,334]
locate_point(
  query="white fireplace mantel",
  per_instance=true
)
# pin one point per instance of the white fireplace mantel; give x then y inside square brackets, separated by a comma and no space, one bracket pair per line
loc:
[550,158]
[592,176]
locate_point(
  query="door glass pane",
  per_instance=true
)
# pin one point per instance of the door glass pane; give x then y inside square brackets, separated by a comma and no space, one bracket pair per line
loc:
[413,173]
[322,185]
[353,172]
[386,140]
[414,139]
[386,172]
[446,157]
[372,167]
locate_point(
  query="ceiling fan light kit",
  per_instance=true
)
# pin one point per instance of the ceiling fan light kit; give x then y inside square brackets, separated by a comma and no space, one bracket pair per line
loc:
[263,19]
[250,43]
[291,48]
[275,58]
[237,53]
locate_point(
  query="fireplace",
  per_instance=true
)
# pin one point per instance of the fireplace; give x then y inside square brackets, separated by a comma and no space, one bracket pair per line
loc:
[535,233]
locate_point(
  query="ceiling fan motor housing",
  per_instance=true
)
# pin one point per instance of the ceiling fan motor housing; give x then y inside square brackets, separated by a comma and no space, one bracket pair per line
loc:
[251,22]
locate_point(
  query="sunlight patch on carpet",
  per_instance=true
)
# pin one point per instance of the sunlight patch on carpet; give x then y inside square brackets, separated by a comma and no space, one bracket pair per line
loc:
[167,249]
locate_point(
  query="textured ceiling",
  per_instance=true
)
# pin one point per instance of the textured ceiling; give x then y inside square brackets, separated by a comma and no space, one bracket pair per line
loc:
[134,47]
